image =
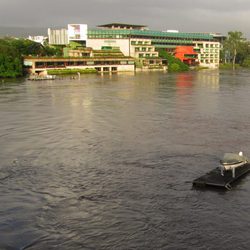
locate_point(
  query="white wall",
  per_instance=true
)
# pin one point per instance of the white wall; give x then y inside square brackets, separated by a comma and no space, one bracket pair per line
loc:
[209,55]
[97,44]
[79,30]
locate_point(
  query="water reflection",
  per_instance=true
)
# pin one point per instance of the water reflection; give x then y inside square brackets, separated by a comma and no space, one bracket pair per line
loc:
[184,83]
[209,79]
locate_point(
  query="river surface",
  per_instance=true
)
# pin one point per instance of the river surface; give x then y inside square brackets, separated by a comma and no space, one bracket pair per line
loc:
[107,161]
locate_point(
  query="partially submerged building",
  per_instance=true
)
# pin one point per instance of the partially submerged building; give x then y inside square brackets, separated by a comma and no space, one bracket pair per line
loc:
[118,35]
[123,47]
[101,61]
[206,45]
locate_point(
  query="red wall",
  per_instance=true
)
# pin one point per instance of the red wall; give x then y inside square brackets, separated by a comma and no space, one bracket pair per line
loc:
[180,52]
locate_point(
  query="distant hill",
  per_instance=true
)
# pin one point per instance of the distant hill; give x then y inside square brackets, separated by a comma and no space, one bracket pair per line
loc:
[22,32]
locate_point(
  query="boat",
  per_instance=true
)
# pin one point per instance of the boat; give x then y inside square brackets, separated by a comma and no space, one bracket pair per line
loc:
[232,161]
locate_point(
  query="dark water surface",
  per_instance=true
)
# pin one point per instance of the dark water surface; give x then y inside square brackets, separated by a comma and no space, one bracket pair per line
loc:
[107,162]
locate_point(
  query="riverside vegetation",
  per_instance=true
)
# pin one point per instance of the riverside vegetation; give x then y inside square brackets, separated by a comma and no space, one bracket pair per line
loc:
[235,53]
[13,50]
[71,71]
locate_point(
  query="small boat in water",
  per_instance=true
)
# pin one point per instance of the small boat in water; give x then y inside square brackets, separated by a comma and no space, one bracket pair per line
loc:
[232,161]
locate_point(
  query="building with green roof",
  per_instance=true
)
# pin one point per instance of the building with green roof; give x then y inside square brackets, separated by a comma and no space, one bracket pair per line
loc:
[141,43]
[130,38]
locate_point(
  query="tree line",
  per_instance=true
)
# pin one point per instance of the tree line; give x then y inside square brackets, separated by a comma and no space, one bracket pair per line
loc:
[236,50]
[12,51]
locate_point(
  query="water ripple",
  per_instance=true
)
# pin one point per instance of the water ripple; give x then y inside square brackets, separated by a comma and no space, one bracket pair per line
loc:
[107,162]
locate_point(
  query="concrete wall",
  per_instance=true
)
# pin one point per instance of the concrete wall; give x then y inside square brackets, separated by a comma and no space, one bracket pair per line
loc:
[209,55]
[58,37]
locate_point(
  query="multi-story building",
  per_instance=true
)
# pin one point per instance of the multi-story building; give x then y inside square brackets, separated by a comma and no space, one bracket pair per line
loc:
[208,53]
[78,33]
[123,36]
[74,32]
[86,58]
[141,43]
[114,35]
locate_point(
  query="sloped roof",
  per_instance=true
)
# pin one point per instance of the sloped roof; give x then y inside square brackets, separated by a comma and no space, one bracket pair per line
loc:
[110,25]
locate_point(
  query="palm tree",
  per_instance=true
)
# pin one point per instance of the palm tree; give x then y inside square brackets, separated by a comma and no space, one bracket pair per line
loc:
[234,43]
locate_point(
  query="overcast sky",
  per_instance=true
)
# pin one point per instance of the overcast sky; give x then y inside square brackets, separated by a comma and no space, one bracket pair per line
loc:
[183,15]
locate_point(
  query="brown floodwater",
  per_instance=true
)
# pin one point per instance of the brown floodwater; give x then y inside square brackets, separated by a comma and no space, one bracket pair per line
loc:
[107,161]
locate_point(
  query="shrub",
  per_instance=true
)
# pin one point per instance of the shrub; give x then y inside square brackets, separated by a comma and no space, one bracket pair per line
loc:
[246,62]
[228,66]
[174,67]
[174,64]
[71,71]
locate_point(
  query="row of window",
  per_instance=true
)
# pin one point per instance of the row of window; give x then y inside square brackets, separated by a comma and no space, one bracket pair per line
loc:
[79,63]
[209,55]
[211,51]
[143,49]
[122,36]
[208,45]
[147,55]
[140,42]
[209,61]
[106,69]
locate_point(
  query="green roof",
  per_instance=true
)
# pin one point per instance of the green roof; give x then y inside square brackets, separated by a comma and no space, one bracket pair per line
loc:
[150,34]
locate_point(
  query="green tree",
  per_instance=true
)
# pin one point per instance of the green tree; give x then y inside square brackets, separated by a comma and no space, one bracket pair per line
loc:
[13,50]
[235,44]
[10,61]
[174,64]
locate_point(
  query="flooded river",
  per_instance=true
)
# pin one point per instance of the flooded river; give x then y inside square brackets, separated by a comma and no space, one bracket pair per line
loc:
[107,161]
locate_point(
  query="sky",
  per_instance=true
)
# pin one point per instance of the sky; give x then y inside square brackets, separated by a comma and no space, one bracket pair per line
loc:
[183,15]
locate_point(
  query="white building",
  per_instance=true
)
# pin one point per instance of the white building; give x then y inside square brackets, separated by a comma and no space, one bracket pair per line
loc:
[77,32]
[74,32]
[58,36]
[208,53]
[38,39]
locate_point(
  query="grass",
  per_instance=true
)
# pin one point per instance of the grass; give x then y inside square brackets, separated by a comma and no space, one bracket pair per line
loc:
[71,71]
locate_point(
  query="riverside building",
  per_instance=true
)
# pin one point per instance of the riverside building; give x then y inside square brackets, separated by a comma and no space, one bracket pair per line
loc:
[103,61]
[142,44]
[132,38]
[77,56]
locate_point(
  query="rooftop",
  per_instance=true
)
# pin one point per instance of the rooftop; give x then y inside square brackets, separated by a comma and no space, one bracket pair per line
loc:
[149,33]
[122,26]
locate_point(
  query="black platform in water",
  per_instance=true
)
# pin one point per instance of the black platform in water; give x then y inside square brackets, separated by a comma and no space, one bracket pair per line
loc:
[214,177]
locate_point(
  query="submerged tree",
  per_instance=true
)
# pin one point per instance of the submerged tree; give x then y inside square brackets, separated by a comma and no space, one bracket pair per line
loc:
[234,44]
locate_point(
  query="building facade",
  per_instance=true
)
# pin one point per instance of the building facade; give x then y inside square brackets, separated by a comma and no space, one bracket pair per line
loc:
[74,32]
[187,55]
[208,53]
[141,43]
[42,65]
[205,44]
[58,36]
